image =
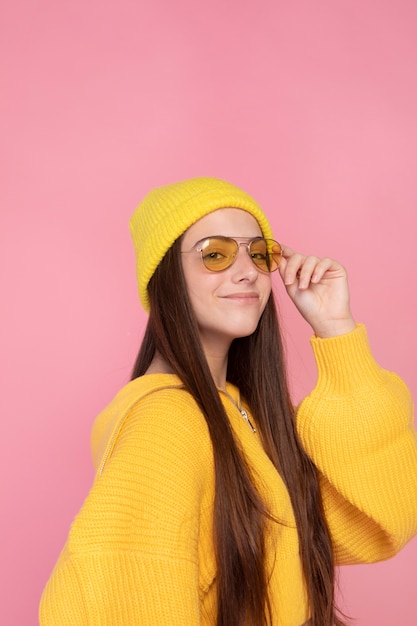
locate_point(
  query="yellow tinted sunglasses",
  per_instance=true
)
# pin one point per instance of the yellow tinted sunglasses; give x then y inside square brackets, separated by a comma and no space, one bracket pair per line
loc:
[218,253]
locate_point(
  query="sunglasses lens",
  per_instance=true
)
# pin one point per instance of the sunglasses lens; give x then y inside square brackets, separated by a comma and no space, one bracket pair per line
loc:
[266,254]
[218,253]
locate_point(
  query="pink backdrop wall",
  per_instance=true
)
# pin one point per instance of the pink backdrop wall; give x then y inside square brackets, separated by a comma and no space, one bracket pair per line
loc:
[309,105]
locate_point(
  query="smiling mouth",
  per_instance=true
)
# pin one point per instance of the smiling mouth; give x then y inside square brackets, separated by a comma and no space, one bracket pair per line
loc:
[242,296]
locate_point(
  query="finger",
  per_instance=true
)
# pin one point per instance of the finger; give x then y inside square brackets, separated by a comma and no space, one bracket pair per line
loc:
[287,251]
[277,254]
[315,269]
[307,270]
[294,263]
[323,266]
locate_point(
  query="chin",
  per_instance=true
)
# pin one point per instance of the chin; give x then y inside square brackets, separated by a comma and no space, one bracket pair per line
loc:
[243,332]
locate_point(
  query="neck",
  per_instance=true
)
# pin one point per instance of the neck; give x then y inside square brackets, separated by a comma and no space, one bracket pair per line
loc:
[217,363]
[216,350]
[159,366]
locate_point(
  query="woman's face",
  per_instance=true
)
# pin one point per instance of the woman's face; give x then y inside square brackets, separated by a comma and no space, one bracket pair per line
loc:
[229,303]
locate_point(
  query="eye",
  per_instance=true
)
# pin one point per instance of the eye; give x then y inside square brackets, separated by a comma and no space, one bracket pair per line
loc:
[258,256]
[258,250]
[215,249]
[213,255]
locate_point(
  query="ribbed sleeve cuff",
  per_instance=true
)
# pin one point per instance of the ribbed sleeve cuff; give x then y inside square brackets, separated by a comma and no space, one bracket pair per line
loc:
[345,362]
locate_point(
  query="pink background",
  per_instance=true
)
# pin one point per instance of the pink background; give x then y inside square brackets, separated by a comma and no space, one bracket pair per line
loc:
[309,105]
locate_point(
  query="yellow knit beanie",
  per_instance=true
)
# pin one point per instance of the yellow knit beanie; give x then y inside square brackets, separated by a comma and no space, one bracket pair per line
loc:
[167,212]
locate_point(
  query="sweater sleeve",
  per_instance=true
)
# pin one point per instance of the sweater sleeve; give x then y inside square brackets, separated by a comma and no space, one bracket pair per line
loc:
[132,552]
[357,426]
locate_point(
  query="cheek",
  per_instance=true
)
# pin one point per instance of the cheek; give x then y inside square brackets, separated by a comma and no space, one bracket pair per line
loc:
[265,285]
[203,288]
[200,283]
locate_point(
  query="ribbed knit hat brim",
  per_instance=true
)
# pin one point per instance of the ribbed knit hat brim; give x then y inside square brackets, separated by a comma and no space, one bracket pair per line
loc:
[167,212]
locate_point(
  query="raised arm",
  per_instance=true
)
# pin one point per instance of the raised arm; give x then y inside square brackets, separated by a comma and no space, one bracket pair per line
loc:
[357,426]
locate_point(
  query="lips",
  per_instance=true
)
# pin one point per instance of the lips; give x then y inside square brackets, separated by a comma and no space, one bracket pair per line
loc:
[245,296]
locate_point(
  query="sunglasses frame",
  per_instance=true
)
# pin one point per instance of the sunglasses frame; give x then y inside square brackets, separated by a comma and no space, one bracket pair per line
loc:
[239,241]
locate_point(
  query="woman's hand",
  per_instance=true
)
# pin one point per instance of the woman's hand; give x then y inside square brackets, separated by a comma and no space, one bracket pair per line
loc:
[319,289]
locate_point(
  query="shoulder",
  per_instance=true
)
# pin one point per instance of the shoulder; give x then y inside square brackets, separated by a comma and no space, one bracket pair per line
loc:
[155,474]
[168,411]
[153,416]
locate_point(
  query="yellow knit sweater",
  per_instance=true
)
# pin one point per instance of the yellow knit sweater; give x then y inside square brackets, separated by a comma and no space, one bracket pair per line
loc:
[140,551]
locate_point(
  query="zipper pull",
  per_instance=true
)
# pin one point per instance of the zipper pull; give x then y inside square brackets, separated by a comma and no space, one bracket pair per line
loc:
[246,417]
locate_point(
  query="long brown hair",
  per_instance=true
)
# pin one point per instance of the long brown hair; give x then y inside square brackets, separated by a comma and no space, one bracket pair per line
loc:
[256,366]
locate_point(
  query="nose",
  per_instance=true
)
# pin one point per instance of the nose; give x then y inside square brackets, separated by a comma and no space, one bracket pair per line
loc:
[244,268]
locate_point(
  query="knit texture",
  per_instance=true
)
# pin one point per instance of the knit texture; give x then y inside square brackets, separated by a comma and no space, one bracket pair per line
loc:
[140,551]
[167,212]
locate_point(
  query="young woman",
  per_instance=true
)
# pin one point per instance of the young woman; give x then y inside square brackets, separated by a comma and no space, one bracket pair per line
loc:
[215,503]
